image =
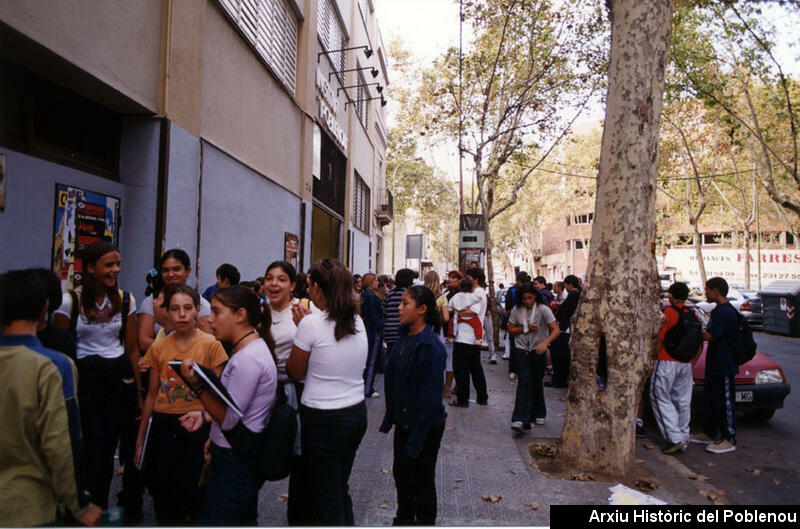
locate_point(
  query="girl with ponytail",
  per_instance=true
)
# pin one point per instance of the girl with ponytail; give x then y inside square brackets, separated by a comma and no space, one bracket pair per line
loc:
[413,380]
[250,376]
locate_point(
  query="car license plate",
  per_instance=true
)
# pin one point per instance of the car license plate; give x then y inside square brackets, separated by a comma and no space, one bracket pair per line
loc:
[744,396]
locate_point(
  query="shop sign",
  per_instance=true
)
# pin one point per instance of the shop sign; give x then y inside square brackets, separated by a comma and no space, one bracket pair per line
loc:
[329,108]
[776,264]
[81,218]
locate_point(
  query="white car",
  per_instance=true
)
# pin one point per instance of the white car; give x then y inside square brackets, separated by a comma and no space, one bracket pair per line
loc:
[746,302]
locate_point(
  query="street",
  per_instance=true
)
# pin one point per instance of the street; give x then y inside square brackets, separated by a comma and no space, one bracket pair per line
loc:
[764,469]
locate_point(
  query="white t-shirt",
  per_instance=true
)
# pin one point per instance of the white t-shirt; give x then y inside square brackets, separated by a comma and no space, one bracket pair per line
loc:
[283,331]
[464,333]
[334,377]
[466,300]
[100,337]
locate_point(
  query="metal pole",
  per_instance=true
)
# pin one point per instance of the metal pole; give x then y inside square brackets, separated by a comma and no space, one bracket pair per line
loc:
[460,111]
[758,234]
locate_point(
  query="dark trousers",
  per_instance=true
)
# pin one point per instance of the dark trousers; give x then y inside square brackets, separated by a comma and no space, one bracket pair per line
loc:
[173,466]
[718,395]
[231,495]
[298,509]
[330,439]
[373,355]
[529,403]
[107,405]
[415,478]
[560,354]
[466,363]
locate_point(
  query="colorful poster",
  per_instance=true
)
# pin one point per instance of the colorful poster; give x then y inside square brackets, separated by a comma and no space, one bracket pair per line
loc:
[291,248]
[81,218]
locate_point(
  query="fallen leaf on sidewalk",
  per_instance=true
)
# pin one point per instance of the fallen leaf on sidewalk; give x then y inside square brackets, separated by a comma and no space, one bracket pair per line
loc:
[710,464]
[713,496]
[646,484]
[491,499]
[382,505]
[776,481]
[283,498]
[458,480]
[755,471]
[582,477]
[513,471]
[701,478]
[532,504]
[384,471]
[557,491]
[451,428]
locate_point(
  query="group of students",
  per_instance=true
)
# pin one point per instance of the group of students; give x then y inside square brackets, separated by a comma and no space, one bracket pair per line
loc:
[136,386]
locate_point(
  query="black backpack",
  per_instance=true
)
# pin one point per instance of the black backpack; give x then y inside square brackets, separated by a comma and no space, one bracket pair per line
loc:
[684,339]
[742,347]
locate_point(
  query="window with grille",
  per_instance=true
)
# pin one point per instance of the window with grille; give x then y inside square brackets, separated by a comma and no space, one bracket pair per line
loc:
[361,205]
[362,105]
[331,34]
[330,188]
[270,27]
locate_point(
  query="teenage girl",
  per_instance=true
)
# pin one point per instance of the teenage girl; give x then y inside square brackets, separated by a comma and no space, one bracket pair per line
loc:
[413,382]
[330,350]
[106,361]
[231,496]
[173,456]
[176,268]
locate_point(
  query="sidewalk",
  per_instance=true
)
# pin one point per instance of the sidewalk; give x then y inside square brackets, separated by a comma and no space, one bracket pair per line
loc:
[480,456]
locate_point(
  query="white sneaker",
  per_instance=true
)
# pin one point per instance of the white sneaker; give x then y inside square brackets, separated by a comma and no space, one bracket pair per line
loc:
[512,376]
[375,395]
[539,421]
[517,426]
[506,356]
[492,358]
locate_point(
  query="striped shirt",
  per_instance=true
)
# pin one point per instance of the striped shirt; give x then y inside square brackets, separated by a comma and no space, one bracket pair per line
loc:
[391,325]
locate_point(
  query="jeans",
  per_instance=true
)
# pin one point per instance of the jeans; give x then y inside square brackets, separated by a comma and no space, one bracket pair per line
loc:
[330,439]
[529,403]
[231,495]
[466,363]
[375,342]
[415,478]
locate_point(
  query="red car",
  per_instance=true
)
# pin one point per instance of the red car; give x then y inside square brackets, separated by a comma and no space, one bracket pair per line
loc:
[761,385]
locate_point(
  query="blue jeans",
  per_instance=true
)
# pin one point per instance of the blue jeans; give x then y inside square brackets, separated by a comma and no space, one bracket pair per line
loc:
[330,439]
[529,403]
[231,496]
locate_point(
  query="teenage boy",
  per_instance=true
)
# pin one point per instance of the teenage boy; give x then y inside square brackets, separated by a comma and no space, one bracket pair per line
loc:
[671,383]
[227,276]
[40,415]
[719,432]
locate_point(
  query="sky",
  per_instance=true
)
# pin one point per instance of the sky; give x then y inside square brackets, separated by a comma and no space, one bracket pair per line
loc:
[428,27]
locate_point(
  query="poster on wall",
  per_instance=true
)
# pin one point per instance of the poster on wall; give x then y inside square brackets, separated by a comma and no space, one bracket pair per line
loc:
[469,258]
[81,218]
[291,247]
[2,182]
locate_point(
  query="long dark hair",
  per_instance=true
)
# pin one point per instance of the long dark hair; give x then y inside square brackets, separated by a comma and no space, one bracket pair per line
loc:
[336,283]
[258,315]
[92,254]
[177,254]
[528,288]
[300,286]
[424,297]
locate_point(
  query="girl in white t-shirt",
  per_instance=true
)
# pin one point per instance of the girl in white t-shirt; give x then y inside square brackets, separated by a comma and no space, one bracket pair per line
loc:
[175,267]
[330,351]
[107,374]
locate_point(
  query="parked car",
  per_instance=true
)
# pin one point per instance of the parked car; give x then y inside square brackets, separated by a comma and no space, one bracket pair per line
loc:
[761,385]
[745,301]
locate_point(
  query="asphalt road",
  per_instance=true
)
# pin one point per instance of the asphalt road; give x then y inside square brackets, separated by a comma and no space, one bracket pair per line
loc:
[765,468]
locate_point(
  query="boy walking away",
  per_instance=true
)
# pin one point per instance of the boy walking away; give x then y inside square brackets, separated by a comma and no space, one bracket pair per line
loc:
[680,342]
[719,433]
[40,415]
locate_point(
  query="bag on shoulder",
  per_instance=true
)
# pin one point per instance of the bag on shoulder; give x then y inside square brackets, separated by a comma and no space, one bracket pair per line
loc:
[75,309]
[743,347]
[269,452]
[684,339]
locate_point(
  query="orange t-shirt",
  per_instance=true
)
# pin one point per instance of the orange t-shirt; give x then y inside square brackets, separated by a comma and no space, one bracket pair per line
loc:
[173,394]
[672,317]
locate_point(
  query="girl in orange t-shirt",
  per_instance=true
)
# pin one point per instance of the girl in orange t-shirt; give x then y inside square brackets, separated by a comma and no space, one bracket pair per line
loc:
[173,456]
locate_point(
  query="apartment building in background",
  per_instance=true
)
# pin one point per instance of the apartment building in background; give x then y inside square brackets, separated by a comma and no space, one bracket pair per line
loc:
[242,131]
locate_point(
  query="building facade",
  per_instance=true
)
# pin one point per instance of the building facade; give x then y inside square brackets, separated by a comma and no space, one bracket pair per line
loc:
[242,131]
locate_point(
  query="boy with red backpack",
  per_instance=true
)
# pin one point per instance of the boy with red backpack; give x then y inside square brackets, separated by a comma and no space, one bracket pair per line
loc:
[680,342]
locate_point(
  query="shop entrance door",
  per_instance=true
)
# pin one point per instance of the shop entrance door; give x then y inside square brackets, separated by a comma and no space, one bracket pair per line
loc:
[325,235]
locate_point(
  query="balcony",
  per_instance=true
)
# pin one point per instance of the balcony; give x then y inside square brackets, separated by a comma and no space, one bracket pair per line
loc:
[385,210]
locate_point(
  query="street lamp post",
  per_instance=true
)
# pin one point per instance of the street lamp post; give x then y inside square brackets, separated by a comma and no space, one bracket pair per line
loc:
[394,173]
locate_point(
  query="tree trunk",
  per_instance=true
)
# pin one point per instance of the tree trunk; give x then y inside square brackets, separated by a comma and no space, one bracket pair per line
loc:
[698,251]
[746,255]
[598,433]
